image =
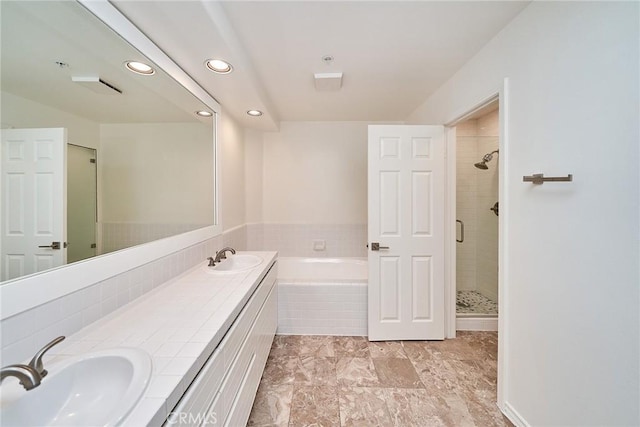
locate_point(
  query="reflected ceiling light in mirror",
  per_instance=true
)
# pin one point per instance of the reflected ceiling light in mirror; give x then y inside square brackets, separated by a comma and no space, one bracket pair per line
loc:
[203,113]
[139,68]
[218,66]
[254,113]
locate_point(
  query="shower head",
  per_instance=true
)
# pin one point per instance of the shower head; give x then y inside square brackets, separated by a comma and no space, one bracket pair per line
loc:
[486,158]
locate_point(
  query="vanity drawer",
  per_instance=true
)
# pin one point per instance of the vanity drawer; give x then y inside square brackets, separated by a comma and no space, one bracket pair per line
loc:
[238,331]
[207,394]
[232,403]
[261,338]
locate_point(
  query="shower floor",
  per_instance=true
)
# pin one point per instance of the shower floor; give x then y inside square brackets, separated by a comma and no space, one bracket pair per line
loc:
[473,302]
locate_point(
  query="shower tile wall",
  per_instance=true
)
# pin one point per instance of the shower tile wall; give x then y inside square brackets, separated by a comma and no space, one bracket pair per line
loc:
[466,209]
[487,253]
[477,191]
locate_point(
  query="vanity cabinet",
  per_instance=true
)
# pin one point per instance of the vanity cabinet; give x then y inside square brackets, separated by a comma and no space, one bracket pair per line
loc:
[222,393]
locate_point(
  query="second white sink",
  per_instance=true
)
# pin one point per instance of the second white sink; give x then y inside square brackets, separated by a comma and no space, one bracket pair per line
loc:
[235,263]
[93,389]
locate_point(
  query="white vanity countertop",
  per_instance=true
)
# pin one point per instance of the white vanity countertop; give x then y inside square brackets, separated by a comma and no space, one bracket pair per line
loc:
[179,324]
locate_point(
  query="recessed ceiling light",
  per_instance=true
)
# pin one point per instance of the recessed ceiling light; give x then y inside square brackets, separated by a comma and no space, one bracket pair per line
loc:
[139,68]
[218,66]
[204,113]
[254,113]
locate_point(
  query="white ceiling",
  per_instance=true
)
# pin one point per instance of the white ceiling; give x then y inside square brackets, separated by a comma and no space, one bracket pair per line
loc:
[36,34]
[393,54]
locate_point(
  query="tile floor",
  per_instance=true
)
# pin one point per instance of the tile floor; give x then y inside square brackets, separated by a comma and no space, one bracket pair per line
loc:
[348,381]
[474,302]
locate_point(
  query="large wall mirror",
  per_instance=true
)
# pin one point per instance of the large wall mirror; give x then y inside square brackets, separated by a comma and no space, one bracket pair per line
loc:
[138,162]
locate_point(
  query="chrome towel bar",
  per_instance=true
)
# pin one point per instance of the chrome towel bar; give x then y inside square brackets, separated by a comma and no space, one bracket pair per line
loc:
[539,178]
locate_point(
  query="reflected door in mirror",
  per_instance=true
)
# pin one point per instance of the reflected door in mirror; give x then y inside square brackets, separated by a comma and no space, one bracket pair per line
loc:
[81,202]
[33,200]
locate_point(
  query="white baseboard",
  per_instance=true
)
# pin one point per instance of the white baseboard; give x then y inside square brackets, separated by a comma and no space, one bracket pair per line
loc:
[513,416]
[477,324]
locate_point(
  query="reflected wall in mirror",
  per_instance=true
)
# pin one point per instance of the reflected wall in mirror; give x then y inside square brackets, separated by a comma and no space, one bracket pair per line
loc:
[153,157]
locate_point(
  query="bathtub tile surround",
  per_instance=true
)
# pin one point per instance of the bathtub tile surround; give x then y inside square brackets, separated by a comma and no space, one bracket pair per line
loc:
[322,296]
[25,333]
[418,383]
[296,240]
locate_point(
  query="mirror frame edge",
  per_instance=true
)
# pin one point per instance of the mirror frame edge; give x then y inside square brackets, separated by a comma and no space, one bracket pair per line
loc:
[28,292]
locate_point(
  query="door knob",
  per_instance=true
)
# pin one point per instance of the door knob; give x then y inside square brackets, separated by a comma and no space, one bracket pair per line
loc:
[53,245]
[375,246]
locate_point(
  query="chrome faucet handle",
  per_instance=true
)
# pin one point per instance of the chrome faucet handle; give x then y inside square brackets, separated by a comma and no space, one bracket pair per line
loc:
[36,363]
[221,254]
[27,376]
[212,262]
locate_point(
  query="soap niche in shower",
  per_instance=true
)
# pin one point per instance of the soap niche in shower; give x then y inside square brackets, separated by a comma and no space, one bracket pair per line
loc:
[477,210]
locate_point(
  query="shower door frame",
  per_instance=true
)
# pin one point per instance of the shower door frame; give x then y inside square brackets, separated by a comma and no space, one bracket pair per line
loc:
[501,94]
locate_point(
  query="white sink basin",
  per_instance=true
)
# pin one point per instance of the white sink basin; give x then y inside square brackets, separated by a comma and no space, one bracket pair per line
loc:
[93,389]
[235,263]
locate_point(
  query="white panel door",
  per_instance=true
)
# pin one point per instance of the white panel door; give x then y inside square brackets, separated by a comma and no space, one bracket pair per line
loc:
[33,200]
[406,220]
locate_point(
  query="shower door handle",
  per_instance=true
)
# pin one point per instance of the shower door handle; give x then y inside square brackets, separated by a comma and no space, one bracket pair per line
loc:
[461,231]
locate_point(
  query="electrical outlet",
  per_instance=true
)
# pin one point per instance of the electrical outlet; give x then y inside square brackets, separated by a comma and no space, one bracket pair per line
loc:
[319,245]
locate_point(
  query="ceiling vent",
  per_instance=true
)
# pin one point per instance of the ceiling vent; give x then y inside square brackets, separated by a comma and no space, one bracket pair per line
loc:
[326,82]
[97,85]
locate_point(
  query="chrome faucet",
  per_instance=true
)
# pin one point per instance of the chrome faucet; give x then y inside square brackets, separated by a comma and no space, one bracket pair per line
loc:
[36,362]
[27,376]
[32,374]
[221,253]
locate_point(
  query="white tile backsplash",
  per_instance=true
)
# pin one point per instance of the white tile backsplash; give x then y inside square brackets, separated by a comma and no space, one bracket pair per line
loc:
[341,240]
[23,334]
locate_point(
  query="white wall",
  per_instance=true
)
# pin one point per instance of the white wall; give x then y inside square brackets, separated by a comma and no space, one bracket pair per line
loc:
[316,172]
[156,173]
[232,173]
[18,112]
[571,328]
[254,172]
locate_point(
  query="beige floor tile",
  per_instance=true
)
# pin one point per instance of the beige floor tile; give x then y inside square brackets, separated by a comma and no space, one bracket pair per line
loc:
[316,345]
[348,381]
[437,376]
[280,370]
[314,406]
[285,345]
[413,407]
[271,406]
[356,371]
[417,350]
[351,346]
[398,373]
[319,371]
[361,406]
[393,349]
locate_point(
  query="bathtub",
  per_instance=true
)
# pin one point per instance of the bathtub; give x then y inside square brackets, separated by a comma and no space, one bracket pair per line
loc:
[322,296]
